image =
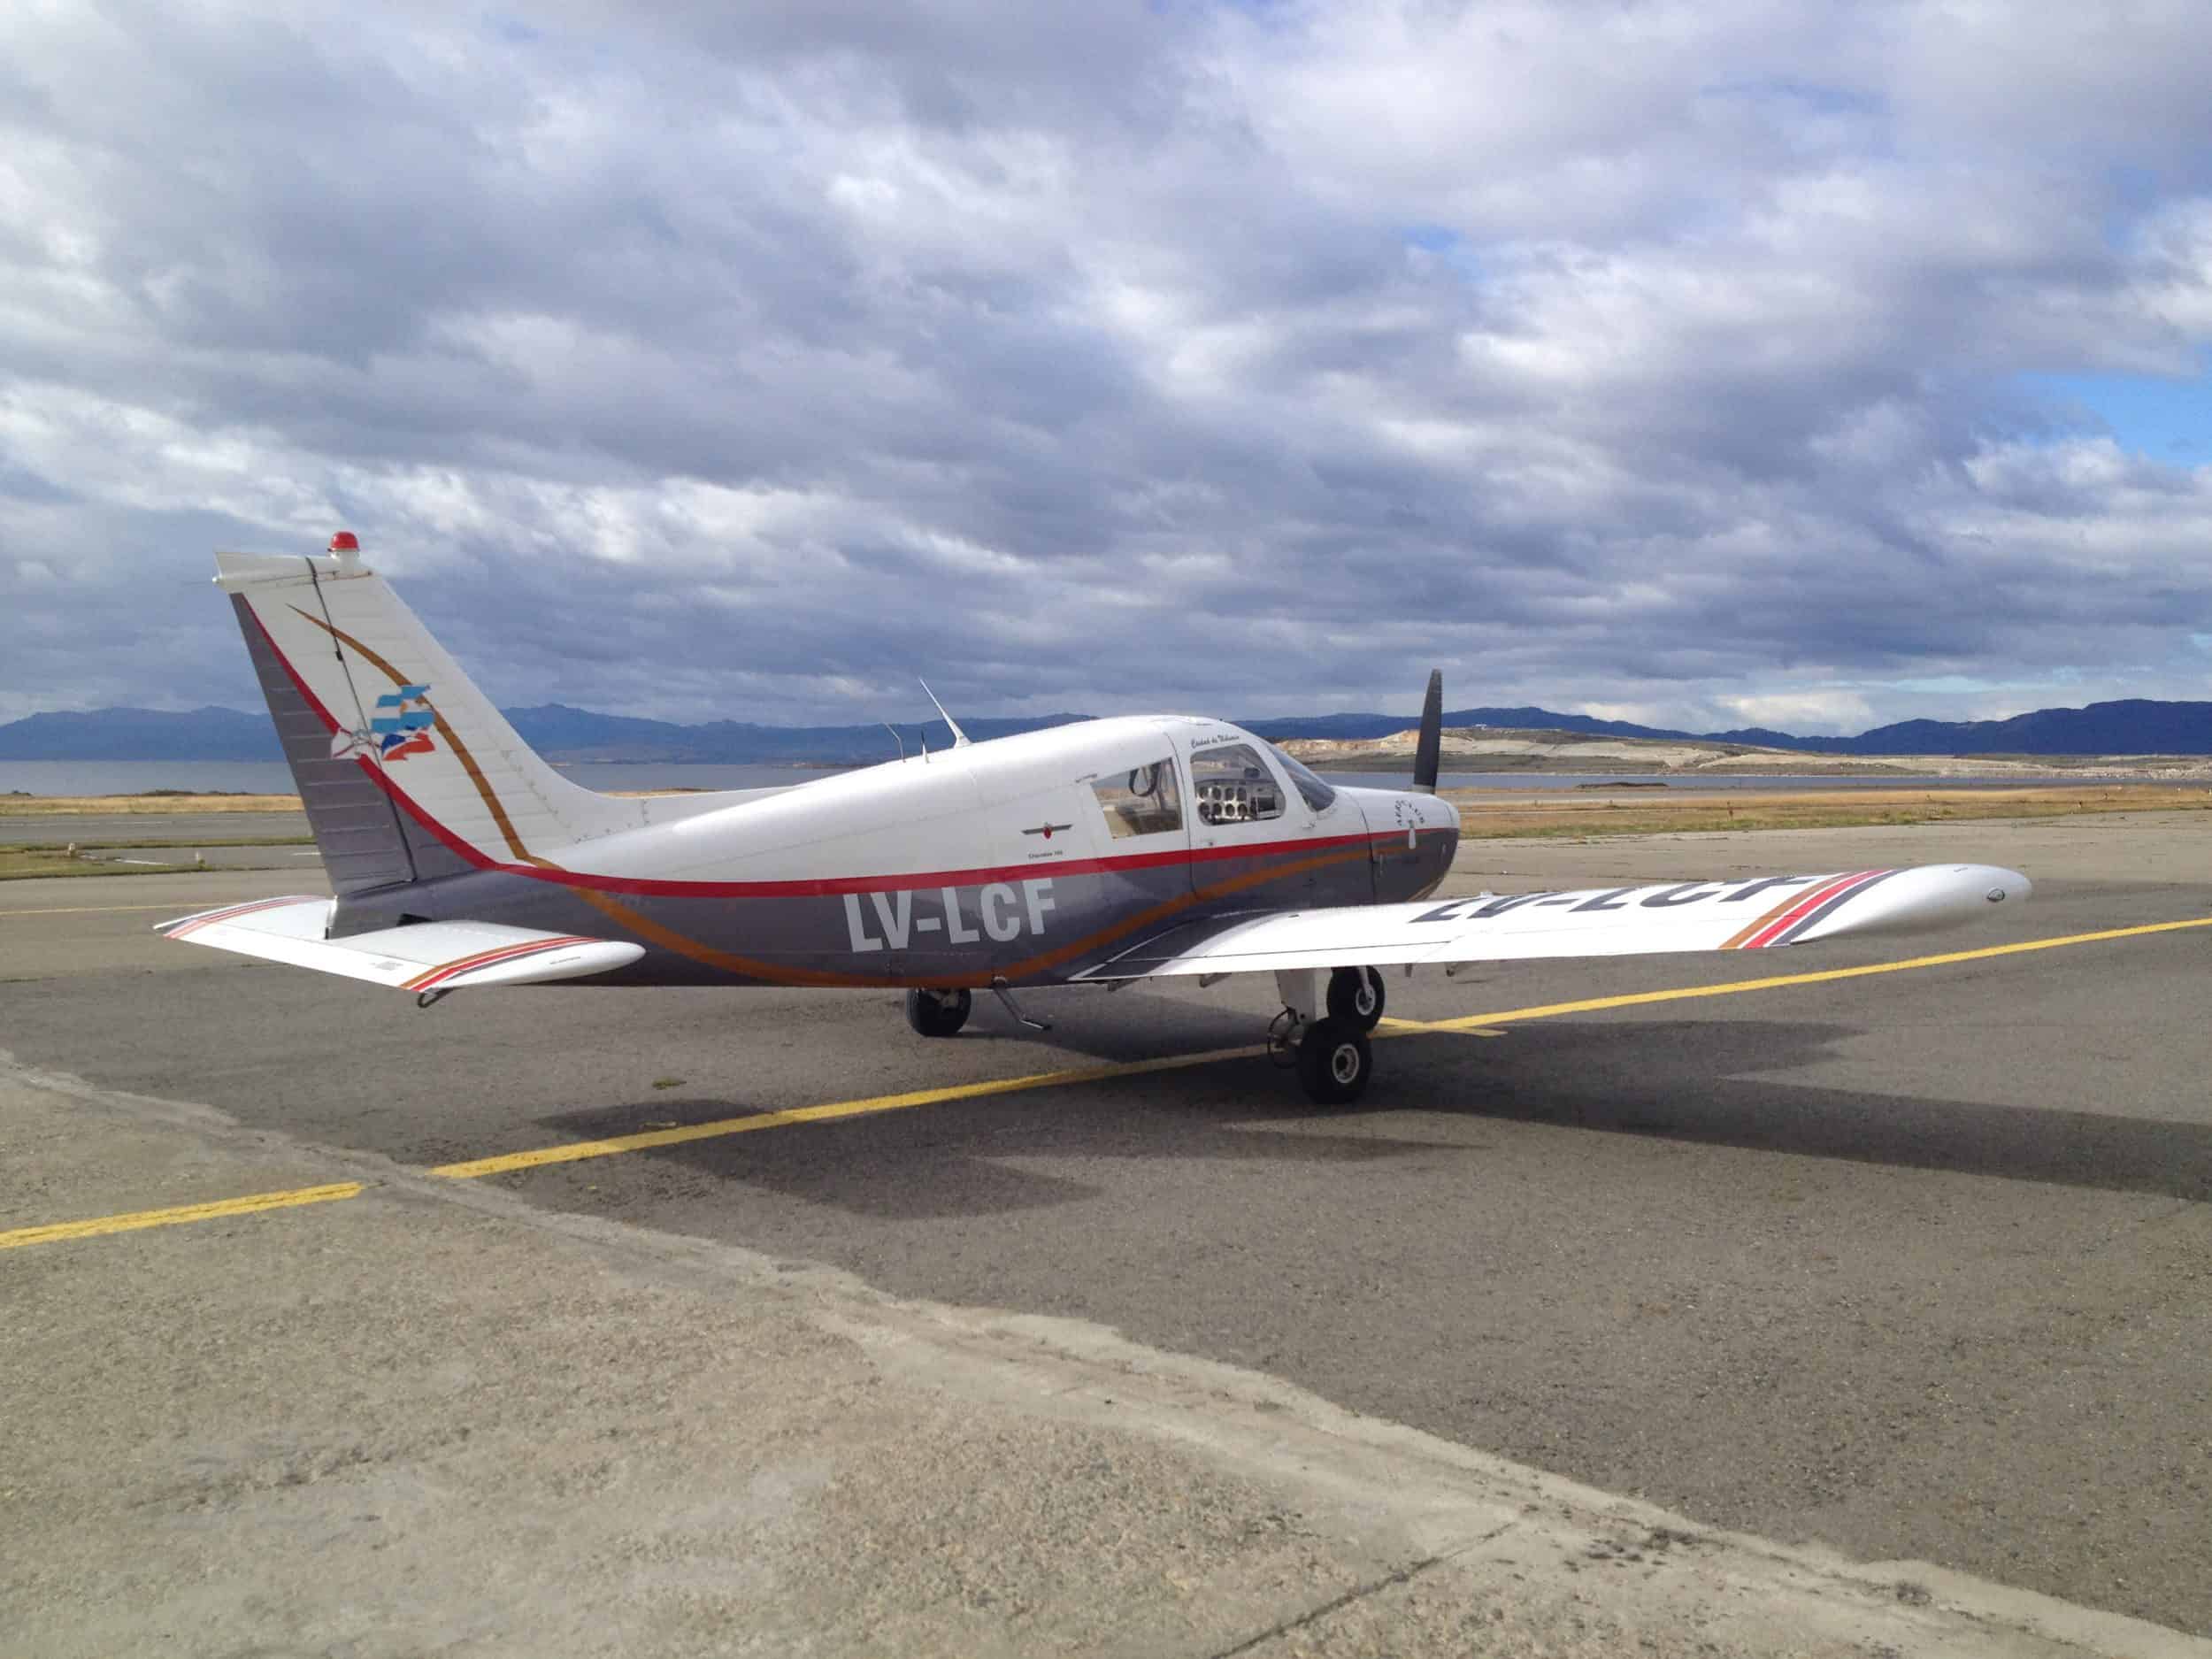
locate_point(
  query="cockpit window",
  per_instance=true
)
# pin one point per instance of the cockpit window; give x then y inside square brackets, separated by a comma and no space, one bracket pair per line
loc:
[1141,801]
[1234,784]
[1318,795]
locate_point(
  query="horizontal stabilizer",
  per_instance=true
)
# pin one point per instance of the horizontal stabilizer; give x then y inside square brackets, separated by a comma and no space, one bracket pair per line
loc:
[420,956]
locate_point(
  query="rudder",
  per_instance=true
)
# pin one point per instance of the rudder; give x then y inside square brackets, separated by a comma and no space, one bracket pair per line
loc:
[357,826]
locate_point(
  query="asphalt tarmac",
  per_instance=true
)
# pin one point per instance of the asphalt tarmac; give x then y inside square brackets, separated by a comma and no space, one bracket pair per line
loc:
[1917,1265]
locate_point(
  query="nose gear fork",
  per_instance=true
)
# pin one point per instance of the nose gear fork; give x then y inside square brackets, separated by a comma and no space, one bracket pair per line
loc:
[1007,1001]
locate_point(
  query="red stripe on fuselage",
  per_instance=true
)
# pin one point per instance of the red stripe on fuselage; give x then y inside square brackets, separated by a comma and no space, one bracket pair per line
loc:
[829,887]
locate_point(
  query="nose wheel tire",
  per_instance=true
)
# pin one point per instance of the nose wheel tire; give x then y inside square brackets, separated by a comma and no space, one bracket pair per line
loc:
[1356,996]
[938,1013]
[1333,1062]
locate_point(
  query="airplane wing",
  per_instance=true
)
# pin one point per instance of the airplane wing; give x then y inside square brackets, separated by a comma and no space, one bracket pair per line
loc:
[1734,914]
[421,956]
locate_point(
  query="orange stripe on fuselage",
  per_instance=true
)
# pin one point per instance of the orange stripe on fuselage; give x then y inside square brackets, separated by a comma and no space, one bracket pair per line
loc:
[594,890]
[785,973]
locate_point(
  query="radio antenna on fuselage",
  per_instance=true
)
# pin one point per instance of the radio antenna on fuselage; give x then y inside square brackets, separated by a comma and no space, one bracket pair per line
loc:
[959,737]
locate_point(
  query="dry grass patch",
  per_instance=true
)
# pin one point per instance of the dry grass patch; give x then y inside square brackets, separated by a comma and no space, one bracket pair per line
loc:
[117,805]
[18,864]
[1657,813]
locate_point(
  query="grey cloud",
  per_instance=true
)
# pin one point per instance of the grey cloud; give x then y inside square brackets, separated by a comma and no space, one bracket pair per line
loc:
[1107,357]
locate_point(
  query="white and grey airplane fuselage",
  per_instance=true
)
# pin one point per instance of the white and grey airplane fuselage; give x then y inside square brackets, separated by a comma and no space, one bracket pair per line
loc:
[1104,851]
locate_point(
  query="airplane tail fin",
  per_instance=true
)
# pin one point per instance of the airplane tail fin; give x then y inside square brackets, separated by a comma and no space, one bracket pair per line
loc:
[407,770]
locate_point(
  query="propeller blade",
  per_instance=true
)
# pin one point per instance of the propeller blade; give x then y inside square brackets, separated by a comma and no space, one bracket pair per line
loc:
[1428,752]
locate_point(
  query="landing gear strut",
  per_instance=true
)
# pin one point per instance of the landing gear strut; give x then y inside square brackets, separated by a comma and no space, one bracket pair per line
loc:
[938,1013]
[1331,1054]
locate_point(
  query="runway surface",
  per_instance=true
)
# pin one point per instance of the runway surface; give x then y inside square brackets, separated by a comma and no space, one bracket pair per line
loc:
[1916,1263]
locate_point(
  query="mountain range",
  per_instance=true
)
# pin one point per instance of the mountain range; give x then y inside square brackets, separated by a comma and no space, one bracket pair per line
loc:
[2134,726]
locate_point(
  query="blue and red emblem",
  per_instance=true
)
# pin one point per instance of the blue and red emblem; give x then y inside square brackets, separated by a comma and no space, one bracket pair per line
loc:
[403,722]
[400,726]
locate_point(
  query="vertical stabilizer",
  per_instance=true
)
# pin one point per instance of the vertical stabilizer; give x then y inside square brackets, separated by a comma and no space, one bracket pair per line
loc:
[407,770]
[357,826]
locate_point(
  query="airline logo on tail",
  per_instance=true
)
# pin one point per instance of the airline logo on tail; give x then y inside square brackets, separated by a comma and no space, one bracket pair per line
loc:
[400,727]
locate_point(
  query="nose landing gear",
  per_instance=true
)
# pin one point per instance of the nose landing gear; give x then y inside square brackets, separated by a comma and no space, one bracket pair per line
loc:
[1356,996]
[1331,1054]
[1333,1063]
[938,1013]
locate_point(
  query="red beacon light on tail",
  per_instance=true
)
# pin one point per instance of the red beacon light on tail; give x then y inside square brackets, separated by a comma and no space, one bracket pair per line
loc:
[345,546]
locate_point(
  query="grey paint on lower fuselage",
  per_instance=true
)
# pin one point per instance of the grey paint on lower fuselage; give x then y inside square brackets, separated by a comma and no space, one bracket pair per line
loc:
[1033,927]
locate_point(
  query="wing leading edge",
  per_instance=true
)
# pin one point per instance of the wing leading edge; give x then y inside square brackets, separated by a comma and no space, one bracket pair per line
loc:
[1686,915]
[422,958]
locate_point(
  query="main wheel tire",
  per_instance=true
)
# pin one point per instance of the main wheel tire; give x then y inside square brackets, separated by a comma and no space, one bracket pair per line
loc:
[938,1013]
[1356,996]
[1333,1062]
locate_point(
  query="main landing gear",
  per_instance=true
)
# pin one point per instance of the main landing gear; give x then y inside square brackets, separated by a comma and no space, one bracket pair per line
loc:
[1321,1033]
[1331,1054]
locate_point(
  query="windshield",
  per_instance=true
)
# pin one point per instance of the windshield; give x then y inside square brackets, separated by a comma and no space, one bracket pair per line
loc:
[1233,785]
[1318,795]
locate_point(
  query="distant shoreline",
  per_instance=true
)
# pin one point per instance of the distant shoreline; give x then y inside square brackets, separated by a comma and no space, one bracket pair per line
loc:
[1562,754]
[1680,786]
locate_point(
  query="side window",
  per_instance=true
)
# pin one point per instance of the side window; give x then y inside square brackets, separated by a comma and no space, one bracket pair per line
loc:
[1233,785]
[1142,802]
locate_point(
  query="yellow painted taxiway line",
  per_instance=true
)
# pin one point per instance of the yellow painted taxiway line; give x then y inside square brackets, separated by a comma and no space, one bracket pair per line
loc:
[1392,1024]
[1415,1027]
[1825,976]
[649,1139]
[252,1204]
[1470,1025]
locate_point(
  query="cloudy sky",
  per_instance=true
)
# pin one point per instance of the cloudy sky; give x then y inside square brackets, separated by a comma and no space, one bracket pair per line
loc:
[1700,361]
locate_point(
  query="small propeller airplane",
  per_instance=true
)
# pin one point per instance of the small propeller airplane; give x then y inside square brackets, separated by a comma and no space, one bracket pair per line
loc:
[1102,853]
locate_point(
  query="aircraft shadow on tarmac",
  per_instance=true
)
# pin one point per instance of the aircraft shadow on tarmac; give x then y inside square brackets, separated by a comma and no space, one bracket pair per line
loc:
[1724,1082]
[1713,1084]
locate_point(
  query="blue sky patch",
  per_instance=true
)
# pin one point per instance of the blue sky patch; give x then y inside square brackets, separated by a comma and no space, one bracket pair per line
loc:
[2166,419]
